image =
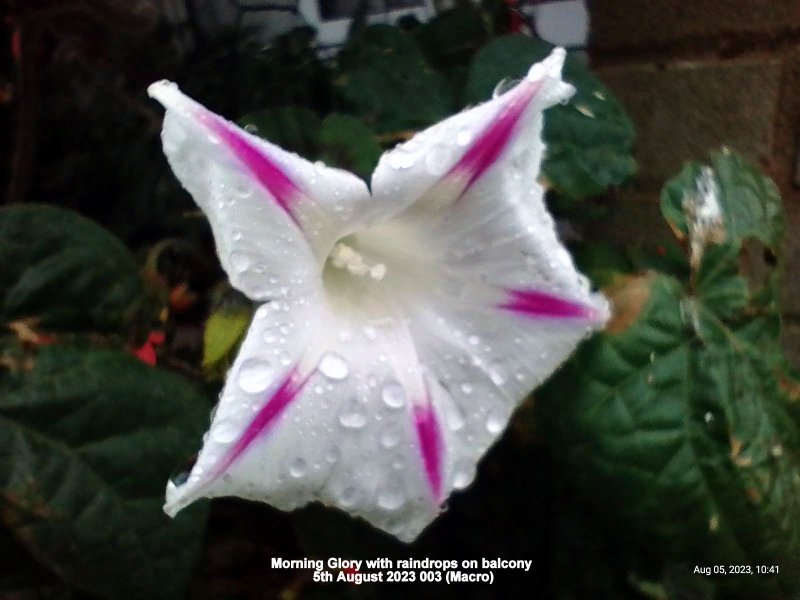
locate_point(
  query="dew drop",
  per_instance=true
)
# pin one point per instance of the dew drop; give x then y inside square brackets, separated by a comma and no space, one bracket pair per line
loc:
[348,496]
[401,159]
[455,417]
[463,474]
[393,395]
[391,497]
[504,85]
[255,375]
[240,261]
[466,388]
[333,454]
[224,431]
[298,468]
[436,160]
[353,416]
[474,340]
[498,374]
[333,366]
[496,420]
[463,137]
[370,333]
[390,436]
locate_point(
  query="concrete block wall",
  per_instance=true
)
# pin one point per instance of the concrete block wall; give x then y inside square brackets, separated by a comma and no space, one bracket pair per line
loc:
[695,75]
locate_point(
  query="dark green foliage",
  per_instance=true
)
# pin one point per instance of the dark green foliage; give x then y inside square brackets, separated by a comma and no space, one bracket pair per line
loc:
[65,272]
[383,77]
[88,439]
[675,422]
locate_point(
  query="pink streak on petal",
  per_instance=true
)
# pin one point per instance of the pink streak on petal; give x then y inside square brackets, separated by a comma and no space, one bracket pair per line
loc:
[430,443]
[485,151]
[533,303]
[265,419]
[262,167]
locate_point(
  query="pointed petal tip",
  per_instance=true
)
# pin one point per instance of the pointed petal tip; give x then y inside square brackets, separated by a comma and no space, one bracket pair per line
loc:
[549,69]
[601,312]
[165,91]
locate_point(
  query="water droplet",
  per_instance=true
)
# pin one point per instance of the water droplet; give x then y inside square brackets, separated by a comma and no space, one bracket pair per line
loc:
[498,374]
[333,366]
[436,160]
[455,417]
[393,394]
[401,159]
[224,431]
[370,333]
[463,474]
[390,436]
[240,261]
[333,454]
[348,496]
[466,388]
[353,416]
[463,137]
[391,497]
[474,340]
[298,467]
[255,375]
[504,85]
[496,419]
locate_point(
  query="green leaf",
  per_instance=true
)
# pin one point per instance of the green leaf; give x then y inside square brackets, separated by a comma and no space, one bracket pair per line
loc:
[65,271]
[589,140]
[224,331]
[286,73]
[293,128]
[450,41]
[348,143]
[384,78]
[676,421]
[88,439]
[750,202]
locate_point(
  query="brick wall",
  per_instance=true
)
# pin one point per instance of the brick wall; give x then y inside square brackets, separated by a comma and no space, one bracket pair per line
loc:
[694,75]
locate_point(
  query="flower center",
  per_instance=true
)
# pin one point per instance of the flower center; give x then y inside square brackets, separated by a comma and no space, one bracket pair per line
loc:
[345,257]
[374,272]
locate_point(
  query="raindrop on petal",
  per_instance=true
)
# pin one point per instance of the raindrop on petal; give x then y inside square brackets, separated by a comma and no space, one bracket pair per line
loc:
[393,395]
[353,416]
[496,419]
[391,497]
[255,375]
[498,374]
[333,366]
[298,468]
[224,431]
[463,474]
[240,261]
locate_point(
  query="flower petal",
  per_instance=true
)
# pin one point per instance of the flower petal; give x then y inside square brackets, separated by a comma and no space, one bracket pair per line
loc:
[341,415]
[438,164]
[274,215]
[507,305]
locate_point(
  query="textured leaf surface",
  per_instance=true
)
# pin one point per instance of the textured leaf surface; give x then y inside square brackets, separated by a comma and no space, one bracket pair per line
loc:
[751,204]
[384,78]
[589,140]
[674,421]
[348,143]
[64,271]
[87,440]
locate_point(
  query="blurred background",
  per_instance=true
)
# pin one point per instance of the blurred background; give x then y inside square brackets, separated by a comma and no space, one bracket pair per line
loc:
[143,340]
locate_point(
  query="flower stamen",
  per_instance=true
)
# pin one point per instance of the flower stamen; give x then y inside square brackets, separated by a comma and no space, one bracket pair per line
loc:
[344,257]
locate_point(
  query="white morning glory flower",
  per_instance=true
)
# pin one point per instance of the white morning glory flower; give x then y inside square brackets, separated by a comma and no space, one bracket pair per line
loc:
[399,328]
